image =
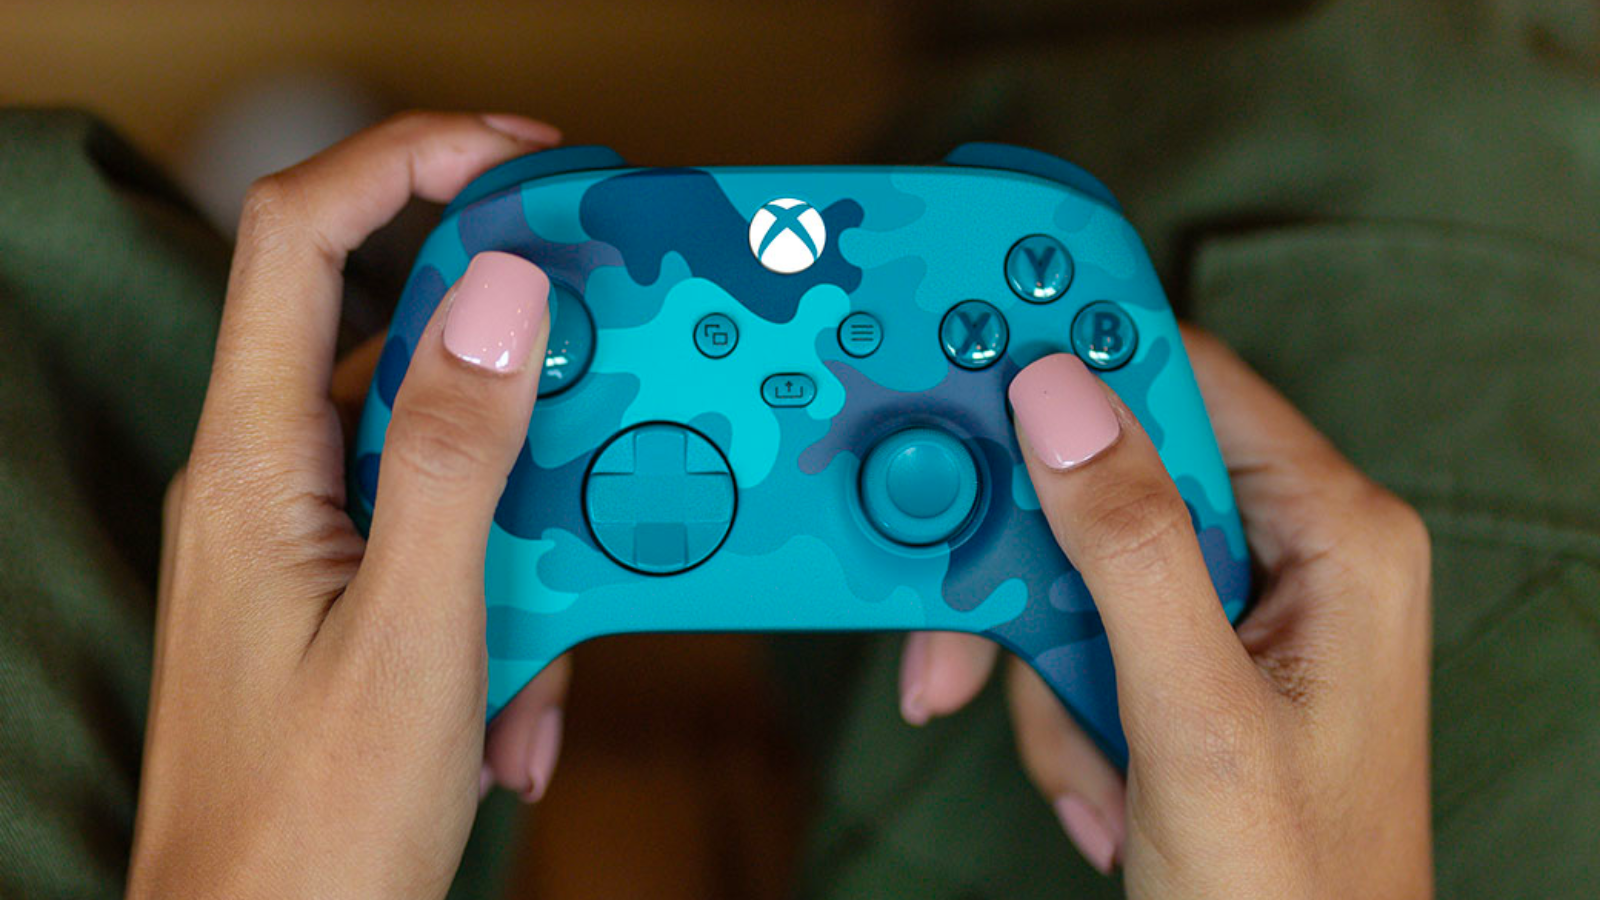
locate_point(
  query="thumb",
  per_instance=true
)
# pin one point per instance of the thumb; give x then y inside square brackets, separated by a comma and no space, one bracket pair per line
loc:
[459,420]
[1120,520]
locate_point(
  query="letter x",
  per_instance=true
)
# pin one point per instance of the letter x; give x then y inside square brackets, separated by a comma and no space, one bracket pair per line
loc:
[974,324]
[787,220]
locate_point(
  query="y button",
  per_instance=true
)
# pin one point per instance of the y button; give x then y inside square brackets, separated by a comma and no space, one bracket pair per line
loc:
[1039,269]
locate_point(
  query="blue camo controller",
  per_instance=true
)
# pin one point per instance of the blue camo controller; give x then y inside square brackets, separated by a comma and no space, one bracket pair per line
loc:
[775,400]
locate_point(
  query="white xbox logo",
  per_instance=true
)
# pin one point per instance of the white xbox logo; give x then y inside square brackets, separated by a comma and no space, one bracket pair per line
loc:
[787,235]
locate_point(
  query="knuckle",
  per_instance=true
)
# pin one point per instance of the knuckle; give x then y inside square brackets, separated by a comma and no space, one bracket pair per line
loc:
[267,202]
[415,121]
[1136,530]
[1339,509]
[1366,520]
[1399,538]
[441,441]
[1400,525]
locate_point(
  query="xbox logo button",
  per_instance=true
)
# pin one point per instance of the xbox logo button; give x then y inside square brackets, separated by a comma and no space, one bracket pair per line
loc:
[787,235]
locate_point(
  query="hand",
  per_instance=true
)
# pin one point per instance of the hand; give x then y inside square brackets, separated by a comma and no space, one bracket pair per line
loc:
[316,715]
[1289,759]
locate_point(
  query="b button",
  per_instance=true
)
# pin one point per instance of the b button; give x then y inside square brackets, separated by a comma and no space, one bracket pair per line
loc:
[1103,335]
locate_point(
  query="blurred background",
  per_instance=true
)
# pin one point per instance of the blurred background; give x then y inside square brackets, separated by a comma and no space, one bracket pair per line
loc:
[678,777]
[661,81]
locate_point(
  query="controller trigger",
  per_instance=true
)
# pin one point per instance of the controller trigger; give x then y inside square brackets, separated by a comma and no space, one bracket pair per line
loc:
[1011,158]
[543,164]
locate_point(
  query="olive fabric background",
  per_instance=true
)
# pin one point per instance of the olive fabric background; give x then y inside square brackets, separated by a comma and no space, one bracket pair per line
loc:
[1391,208]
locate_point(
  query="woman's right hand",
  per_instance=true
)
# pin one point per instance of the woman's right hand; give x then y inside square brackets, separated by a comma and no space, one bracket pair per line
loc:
[1287,759]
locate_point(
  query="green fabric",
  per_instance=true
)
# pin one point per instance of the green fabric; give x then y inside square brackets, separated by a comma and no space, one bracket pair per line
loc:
[1391,210]
[110,289]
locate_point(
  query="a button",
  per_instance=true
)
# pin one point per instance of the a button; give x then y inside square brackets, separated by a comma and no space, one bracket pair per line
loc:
[919,486]
[789,389]
[860,335]
[1011,158]
[974,335]
[571,344]
[659,498]
[1104,336]
[1038,268]
[716,335]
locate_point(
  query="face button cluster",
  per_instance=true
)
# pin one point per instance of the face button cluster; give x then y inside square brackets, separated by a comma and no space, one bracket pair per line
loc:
[660,497]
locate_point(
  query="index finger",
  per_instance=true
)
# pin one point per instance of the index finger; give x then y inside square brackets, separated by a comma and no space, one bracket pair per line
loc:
[275,347]
[1298,496]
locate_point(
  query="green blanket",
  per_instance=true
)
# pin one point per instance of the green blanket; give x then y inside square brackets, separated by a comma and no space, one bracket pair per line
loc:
[1392,210]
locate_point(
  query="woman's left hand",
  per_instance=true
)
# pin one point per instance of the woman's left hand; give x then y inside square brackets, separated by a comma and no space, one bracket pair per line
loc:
[316,716]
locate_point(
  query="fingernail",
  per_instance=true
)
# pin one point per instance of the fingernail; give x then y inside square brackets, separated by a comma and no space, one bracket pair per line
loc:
[546,746]
[496,311]
[485,781]
[1064,411]
[913,665]
[522,128]
[1088,831]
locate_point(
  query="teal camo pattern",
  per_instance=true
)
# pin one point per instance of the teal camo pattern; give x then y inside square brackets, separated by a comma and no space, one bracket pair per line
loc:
[652,251]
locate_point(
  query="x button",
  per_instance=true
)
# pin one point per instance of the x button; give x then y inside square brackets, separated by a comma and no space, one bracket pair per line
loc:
[974,335]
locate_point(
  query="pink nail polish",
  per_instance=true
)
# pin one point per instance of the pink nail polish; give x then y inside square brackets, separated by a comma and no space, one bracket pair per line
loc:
[1088,832]
[913,666]
[496,311]
[1063,411]
[546,746]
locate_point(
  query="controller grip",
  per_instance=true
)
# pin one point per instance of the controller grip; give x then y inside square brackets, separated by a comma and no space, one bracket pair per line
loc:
[521,644]
[1080,673]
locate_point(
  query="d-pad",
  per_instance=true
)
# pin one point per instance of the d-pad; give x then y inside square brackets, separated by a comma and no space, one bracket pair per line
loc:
[659,498]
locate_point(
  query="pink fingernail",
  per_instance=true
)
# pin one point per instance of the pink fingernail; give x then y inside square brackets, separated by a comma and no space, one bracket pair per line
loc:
[522,128]
[1063,411]
[1088,832]
[542,758]
[485,781]
[913,665]
[496,312]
